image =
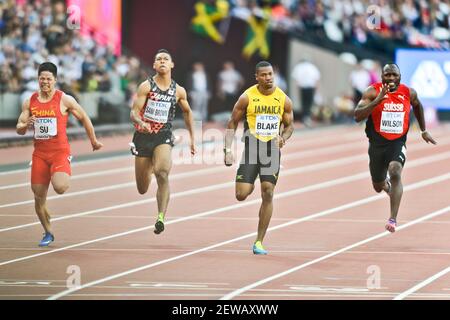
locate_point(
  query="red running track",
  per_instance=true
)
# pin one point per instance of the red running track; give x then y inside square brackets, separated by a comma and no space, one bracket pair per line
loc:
[326,239]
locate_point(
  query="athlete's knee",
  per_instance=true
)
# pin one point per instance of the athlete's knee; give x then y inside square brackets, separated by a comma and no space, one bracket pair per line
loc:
[377,187]
[241,196]
[142,189]
[162,175]
[395,171]
[267,194]
[60,189]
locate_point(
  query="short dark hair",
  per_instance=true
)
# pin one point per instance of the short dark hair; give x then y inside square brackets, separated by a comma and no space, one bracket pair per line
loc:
[391,64]
[162,51]
[262,64]
[48,66]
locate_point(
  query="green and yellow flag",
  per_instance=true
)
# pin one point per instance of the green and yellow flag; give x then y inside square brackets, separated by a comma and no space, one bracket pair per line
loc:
[258,36]
[207,16]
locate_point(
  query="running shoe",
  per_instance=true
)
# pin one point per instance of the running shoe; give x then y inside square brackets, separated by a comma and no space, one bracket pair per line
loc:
[159,225]
[391,225]
[258,248]
[46,240]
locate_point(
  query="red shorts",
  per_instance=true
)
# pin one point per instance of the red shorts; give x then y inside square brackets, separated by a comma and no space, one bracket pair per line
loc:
[44,165]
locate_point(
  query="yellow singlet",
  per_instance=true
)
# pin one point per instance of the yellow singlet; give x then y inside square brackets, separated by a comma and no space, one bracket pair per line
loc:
[264,113]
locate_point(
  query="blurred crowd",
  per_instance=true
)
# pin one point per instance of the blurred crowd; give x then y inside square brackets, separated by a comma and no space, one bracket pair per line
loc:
[370,23]
[32,32]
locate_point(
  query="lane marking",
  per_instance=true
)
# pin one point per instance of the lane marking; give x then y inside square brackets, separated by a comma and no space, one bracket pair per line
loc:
[335,253]
[307,218]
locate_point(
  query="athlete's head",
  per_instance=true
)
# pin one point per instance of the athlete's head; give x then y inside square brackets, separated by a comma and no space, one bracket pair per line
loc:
[391,76]
[47,73]
[264,74]
[163,61]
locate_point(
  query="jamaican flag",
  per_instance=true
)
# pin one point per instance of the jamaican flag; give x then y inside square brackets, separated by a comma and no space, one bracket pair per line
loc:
[258,35]
[207,16]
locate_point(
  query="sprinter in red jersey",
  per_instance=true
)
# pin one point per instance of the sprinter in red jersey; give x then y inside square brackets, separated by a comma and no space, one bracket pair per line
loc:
[47,112]
[386,106]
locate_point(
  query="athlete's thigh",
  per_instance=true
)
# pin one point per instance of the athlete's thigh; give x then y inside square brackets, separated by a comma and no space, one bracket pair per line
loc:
[396,153]
[377,163]
[60,170]
[162,158]
[60,180]
[40,171]
[143,168]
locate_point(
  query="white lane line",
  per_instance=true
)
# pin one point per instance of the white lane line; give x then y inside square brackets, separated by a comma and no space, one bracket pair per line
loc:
[333,131]
[349,205]
[353,133]
[210,212]
[422,284]
[344,146]
[238,292]
[75,177]
[177,176]
[309,168]
[300,154]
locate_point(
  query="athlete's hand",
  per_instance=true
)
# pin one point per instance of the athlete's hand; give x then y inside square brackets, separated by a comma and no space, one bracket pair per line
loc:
[228,158]
[96,145]
[193,150]
[280,142]
[428,138]
[146,127]
[30,122]
[382,95]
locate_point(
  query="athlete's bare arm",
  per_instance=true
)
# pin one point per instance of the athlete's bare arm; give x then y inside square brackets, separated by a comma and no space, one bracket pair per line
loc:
[368,102]
[138,104]
[418,112]
[74,108]
[187,114]
[25,120]
[288,122]
[236,116]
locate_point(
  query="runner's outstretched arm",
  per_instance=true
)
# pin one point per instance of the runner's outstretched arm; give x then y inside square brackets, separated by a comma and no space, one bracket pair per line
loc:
[25,119]
[74,108]
[288,122]
[138,104]
[368,102]
[418,112]
[236,116]
[187,115]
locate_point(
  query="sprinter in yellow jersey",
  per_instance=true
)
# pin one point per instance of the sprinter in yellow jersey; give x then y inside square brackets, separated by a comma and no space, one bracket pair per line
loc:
[264,108]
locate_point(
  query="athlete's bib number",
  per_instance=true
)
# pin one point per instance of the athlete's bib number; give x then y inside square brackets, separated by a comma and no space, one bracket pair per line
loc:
[157,111]
[44,128]
[267,125]
[392,122]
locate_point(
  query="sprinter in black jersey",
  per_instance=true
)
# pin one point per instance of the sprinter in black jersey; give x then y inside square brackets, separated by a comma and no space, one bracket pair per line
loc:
[152,114]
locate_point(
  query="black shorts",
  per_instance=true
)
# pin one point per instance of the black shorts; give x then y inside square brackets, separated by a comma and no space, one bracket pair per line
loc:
[381,155]
[145,143]
[259,158]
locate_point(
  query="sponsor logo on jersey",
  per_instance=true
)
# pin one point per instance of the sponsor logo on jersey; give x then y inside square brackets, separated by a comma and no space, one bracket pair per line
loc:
[393,106]
[160,97]
[43,113]
[268,109]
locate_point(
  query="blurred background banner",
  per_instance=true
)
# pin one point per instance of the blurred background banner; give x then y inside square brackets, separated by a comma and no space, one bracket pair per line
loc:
[428,72]
[325,53]
[102,19]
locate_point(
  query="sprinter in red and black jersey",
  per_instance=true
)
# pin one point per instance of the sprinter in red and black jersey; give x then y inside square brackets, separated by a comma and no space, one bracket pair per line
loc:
[152,114]
[386,106]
